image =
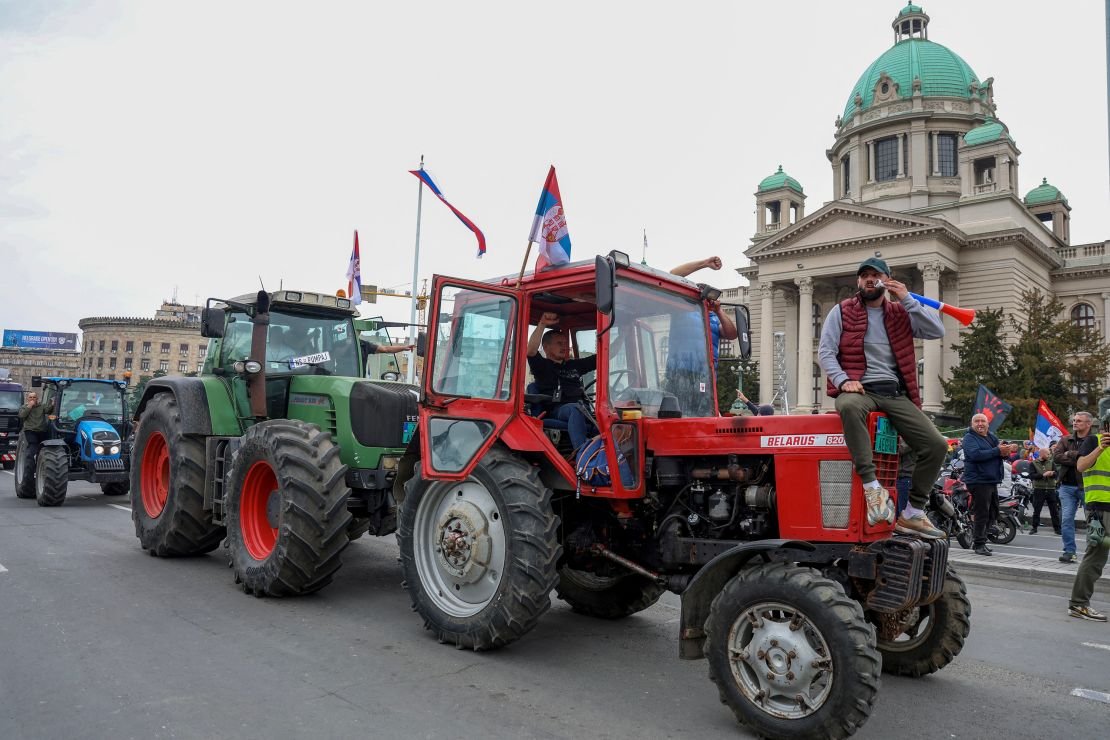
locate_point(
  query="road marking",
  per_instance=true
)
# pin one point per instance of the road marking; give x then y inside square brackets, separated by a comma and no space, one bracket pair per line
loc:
[1098,645]
[3,569]
[122,508]
[1091,694]
[9,472]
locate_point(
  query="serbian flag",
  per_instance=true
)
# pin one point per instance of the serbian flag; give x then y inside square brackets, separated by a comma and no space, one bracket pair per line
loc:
[354,275]
[427,180]
[1049,427]
[549,228]
[991,406]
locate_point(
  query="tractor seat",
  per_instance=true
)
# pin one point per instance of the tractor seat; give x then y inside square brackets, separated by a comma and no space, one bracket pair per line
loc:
[534,405]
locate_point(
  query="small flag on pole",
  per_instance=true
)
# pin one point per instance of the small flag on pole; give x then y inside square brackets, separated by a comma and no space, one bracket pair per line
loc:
[354,275]
[1049,427]
[424,177]
[549,227]
[991,406]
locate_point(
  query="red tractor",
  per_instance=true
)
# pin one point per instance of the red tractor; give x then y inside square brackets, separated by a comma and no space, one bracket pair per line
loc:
[758,523]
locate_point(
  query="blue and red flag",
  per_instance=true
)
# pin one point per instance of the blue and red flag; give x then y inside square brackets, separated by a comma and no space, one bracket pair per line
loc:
[354,275]
[427,180]
[991,406]
[549,228]
[1049,427]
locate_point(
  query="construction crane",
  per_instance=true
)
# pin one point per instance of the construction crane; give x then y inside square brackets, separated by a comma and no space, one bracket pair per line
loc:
[370,294]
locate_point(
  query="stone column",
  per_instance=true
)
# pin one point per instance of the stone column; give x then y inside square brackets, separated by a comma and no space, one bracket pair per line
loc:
[932,350]
[784,213]
[790,354]
[761,217]
[1106,317]
[935,139]
[766,343]
[901,155]
[870,161]
[804,395]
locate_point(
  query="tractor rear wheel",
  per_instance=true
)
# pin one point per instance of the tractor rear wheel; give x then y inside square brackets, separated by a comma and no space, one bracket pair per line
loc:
[791,654]
[167,485]
[287,512]
[24,472]
[118,488]
[52,475]
[933,636]
[479,555]
[606,597]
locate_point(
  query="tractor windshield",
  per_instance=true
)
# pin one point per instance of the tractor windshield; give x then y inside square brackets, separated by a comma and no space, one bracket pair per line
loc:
[10,400]
[659,355]
[85,398]
[301,344]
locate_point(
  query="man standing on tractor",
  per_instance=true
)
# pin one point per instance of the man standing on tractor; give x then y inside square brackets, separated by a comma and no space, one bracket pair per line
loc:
[866,350]
[720,325]
[560,377]
[35,426]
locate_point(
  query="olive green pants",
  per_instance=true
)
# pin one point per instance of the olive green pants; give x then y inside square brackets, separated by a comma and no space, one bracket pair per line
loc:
[913,426]
[1090,568]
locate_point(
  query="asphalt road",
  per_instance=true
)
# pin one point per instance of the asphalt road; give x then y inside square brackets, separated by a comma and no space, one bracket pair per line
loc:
[98,640]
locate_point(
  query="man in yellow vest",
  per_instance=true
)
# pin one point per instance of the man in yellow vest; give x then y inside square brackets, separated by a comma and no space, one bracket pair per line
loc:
[1095,467]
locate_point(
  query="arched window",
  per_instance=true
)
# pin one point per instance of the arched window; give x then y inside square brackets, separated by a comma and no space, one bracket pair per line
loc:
[817,316]
[818,388]
[1083,316]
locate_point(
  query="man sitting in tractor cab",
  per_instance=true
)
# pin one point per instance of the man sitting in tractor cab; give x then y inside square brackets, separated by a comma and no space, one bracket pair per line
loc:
[560,377]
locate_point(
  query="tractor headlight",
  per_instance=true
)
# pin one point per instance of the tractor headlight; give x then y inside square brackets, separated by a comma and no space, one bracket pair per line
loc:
[250,367]
[115,450]
[99,449]
[389,462]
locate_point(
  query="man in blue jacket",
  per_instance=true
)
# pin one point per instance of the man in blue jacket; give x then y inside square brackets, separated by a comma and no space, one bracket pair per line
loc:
[983,471]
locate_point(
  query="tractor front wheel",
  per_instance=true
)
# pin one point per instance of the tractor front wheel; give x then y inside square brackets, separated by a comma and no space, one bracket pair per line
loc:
[24,471]
[606,597]
[479,555]
[933,635]
[52,475]
[791,654]
[167,485]
[287,512]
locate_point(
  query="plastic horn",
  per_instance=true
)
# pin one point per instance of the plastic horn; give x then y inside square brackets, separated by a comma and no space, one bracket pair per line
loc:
[964,315]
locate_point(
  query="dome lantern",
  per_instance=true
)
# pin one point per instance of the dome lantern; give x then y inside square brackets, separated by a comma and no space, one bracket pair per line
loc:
[779,203]
[911,23]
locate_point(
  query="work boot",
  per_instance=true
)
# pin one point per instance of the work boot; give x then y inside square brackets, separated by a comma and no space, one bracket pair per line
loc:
[917,525]
[1033,530]
[879,506]
[1068,557]
[1086,612]
[982,550]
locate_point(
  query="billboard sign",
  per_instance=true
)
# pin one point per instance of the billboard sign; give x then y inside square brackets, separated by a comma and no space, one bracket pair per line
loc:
[21,339]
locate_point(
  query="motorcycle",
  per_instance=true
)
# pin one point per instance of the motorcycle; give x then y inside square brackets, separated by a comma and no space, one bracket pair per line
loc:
[949,509]
[1022,490]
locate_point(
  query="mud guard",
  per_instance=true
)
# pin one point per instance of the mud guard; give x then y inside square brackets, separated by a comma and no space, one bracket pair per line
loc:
[406,468]
[192,402]
[710,580]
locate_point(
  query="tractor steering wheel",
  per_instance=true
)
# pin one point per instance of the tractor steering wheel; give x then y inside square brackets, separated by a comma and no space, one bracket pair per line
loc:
[590,388]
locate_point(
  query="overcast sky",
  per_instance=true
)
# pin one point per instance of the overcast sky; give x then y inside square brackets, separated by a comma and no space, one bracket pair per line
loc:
[195,146]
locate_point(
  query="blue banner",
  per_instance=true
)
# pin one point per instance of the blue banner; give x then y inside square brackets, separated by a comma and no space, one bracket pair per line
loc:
[39,339]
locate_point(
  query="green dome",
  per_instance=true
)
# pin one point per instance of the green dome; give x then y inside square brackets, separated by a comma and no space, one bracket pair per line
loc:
[910,8]
[780,180]
[942,72]
[987,132]
[1044,193]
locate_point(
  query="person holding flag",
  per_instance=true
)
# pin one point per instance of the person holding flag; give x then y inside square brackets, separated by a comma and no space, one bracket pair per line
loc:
[1043,474]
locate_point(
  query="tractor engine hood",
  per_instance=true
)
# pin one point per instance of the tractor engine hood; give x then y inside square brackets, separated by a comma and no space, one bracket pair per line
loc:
[97,433]
[383,414]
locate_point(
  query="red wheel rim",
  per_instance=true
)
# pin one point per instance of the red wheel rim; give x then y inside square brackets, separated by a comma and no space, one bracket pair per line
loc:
[258,485]
[154,478]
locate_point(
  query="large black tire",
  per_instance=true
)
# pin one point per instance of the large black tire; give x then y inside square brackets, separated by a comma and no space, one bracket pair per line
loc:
[287,512]
[52,476]
[24,473]
[119,488]
[1004,530]
[167,485]
[606,597]
[479,555]
[935,635]
[798,627]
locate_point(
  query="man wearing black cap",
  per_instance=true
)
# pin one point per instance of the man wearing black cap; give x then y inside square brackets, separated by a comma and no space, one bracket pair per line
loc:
[867,352]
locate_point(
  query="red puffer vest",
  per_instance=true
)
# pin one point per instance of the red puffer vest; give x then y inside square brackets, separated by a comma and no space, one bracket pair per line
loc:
[853,318]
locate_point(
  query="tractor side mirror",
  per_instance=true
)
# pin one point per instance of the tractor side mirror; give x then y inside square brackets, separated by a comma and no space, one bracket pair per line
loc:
[421,344]
[743,320]
[212,322]
[604,283]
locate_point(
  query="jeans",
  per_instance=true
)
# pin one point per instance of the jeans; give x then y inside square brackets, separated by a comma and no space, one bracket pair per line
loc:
[1071,498]
[577,426]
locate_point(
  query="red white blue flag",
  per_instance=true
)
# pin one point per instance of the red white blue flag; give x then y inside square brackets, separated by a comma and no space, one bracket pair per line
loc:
[1049,427]
[549,228]
[427,180]
[354,275]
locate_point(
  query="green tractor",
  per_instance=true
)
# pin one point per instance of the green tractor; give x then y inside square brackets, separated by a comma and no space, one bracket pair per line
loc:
[281,449]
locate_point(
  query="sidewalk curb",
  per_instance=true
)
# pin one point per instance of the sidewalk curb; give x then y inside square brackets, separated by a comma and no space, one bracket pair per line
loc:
[1010,568]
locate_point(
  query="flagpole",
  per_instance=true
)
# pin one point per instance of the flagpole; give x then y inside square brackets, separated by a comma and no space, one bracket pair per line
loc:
[415,277]
[524,264]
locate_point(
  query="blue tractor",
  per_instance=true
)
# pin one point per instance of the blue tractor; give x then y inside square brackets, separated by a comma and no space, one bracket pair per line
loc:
[87,440]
